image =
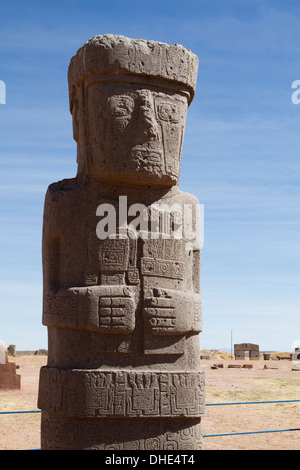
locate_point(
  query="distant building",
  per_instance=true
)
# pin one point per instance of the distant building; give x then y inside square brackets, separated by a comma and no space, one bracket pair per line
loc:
[240,349]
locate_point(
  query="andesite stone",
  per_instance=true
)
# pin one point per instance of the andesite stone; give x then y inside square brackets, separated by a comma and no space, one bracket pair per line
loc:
[123,311]
[9,379]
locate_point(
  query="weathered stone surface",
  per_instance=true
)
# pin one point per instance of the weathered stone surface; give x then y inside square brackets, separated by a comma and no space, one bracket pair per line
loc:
[65,433]
[121,259]
[11,350]
[219,365]
[239,351]
[9,379]
[122,393]
[3,353]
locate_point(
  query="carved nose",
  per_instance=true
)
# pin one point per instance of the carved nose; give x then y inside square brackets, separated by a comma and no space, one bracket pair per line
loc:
[147,119]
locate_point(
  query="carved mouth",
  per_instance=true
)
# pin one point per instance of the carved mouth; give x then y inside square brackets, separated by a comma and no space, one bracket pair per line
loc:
[147,154]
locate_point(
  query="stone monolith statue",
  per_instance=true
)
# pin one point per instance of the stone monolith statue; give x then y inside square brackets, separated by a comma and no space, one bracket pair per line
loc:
[121,259]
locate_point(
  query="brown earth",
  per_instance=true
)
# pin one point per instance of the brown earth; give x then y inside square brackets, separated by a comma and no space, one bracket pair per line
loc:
[230,385]
[223,385]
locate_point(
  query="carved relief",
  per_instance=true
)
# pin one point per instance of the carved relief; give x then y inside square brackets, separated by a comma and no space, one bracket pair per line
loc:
[123,312]
[162,268]
[123,393]
[66,433]
[143,129]
[116,315]
[106,309]
[113,255]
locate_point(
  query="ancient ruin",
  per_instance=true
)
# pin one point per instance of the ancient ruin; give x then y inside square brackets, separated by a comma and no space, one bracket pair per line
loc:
[121,259]
[240,349]
[9,379]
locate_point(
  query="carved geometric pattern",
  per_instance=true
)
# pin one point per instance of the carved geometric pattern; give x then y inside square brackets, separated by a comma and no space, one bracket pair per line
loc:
[60,305]
[64,432]
[166,249]
[159,313]
[162,268]
[116,314]
[113,255]
[122,394]
[106,309]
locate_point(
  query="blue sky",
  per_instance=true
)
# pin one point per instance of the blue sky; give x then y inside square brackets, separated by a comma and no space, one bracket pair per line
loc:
[240,155]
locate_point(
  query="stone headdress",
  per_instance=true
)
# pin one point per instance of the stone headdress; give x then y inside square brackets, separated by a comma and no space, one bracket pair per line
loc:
[118,58]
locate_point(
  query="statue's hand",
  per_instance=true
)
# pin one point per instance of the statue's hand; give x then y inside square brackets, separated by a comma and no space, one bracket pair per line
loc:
[105,309]
[160,313]
[169,312]
[116,314]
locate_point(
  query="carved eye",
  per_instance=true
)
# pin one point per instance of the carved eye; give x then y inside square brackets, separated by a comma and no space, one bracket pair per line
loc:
[121,105]
[168,112]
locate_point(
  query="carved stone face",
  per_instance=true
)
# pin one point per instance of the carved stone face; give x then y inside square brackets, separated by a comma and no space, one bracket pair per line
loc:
[135,133]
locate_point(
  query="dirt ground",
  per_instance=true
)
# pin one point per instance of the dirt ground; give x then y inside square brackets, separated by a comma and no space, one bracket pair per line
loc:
[223,385]
[232,385]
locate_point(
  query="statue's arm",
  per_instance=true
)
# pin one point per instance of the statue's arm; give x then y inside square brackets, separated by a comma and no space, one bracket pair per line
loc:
[176,312]
[196,314]
[50,245]
[109,309]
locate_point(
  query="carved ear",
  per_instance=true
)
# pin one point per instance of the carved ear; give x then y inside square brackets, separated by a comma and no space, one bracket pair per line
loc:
[75,118]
